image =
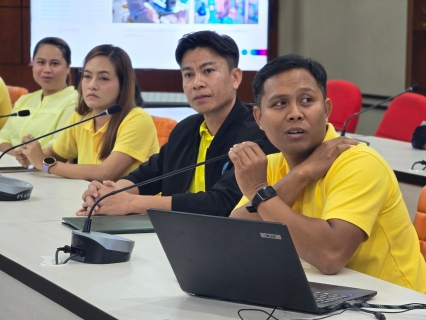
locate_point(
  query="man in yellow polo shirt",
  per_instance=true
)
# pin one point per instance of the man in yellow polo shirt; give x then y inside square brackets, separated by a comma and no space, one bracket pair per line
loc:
[340,199]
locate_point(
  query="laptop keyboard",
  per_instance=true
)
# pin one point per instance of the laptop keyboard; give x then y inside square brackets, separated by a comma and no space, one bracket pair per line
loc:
[325,297]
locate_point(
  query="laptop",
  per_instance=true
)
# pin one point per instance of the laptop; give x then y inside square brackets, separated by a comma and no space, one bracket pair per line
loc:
[243,261]
[134,223]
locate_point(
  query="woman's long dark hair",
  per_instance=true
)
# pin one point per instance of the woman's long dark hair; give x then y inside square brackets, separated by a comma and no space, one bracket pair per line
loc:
[126,77]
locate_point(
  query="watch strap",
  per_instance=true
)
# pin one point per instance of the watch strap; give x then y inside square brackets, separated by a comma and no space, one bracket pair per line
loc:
[261,195]
[45,168]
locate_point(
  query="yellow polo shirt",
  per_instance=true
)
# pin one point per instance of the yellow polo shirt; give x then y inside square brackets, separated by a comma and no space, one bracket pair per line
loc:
[136,137]
[5,104]
[47,115]
[361,188]
[198,182]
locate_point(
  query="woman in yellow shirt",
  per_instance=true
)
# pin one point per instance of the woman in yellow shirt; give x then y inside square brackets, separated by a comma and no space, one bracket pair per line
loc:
[107,147]
[50,107]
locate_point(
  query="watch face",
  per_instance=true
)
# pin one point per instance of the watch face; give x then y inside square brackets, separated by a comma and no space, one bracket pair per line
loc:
[267,192]
[49,160]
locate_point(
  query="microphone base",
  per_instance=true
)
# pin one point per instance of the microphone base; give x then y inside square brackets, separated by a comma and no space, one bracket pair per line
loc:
[14,189]
[101,248]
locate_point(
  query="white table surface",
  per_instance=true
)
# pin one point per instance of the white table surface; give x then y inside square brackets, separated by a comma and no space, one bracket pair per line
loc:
[145,287]
[399,154]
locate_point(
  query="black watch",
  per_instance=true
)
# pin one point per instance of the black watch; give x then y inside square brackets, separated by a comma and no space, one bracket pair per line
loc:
[261,195]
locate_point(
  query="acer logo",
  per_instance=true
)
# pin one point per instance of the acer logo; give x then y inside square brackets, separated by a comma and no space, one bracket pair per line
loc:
[270,236]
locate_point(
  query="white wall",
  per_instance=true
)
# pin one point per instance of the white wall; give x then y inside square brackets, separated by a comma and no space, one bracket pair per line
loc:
[363,41]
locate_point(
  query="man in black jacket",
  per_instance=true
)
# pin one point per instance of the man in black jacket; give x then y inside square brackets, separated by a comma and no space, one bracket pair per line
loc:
[211,77]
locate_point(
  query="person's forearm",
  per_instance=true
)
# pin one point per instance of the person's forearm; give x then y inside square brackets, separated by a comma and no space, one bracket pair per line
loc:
[82,171]
[139,204]
[4,146]
[314,239]
[126,183]
[288,190]
[290,186]
[317,241]
[327,245]
[242,213]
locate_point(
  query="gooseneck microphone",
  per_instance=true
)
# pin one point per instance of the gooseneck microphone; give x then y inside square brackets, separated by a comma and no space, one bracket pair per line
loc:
[111,110]
[22,113]
[97,247]
[14,189]
[410,89]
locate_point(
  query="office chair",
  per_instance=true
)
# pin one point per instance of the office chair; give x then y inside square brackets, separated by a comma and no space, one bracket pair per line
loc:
[403,115]
[15,93]
[164,126]
[420,221]
[346,98]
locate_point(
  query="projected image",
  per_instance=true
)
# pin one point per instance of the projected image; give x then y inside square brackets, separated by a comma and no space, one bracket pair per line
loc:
[132,24]
[226,11]
[150,11]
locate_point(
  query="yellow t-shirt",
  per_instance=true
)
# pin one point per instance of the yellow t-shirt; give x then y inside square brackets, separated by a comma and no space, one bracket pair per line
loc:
[136,137]
[47,115]
[198,182]
[361,188]
[5,104]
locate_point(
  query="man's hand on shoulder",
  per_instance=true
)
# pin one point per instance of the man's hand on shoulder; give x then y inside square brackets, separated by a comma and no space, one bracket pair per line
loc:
[250,167]
[320,161]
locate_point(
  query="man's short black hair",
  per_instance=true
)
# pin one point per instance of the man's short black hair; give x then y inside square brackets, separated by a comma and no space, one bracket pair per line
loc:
[286,63]
[224,45]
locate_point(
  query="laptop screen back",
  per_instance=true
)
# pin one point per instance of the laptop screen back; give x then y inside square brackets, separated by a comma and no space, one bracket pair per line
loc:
[239,260]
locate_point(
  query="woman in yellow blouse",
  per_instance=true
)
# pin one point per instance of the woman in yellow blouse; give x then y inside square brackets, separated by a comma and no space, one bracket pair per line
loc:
[108,147]
[51,106]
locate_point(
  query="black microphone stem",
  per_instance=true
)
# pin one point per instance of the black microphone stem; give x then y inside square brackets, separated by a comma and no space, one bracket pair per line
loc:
[342,133]
[410,89]
[22,113]
[88,221]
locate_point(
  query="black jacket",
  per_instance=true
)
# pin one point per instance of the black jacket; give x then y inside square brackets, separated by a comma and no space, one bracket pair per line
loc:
[222,191]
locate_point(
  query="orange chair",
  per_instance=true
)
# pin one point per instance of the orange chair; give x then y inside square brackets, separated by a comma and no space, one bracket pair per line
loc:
[15,93]
[164,126]
[403,115]
[420,221]
[346,98]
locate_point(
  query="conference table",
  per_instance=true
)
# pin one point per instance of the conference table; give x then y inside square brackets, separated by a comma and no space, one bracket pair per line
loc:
[32,287]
